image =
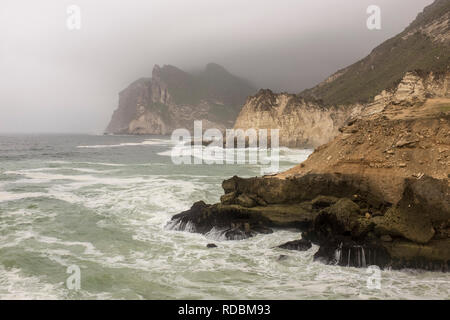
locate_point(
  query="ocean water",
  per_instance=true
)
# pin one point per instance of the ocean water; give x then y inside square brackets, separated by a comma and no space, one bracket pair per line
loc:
[102,203]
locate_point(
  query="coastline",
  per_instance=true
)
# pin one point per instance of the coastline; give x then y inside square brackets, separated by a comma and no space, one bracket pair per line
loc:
[377,194]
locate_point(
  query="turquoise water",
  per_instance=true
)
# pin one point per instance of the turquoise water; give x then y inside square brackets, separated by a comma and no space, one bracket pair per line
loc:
[102,203]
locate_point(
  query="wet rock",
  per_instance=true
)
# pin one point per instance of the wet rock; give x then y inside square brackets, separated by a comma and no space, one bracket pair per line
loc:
[211,245]
[231,222]
[229,185]
[228,198]
[344,217]
[433,256]
[344,214]
[321,202]
[397,222]
[410,218]
[299,245]
[238,234]
[282,257]
[261,229]
[348,253]
[245,201]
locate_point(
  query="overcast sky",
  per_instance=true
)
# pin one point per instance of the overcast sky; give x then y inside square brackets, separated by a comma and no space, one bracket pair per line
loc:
[53,79]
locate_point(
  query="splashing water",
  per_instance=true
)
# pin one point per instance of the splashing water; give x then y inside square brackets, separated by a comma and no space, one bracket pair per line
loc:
[102,203]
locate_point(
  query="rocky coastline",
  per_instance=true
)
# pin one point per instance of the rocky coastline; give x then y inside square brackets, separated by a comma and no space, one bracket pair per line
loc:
[376,189]
[378,194]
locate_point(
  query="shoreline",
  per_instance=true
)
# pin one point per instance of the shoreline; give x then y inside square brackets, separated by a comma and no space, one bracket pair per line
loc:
[377,194]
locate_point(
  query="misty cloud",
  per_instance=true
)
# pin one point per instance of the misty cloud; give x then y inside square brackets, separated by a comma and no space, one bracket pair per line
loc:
[57,80]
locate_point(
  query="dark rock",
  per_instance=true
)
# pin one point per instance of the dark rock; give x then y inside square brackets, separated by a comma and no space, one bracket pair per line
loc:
[235,222]
[230,184]
[262,229]
[299,245]
[228,198]
[211,245]
[201,142]
[348,253]
[410,219]
[238,234]
[282,257]
[432,256]
[322,202]
[344,214]
[245,201]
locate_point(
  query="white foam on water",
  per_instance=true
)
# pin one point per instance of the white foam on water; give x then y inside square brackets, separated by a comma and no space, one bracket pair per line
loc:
[205,153]
[88,163]
[16,286]
[44,177]
[150,142]
[172,263]
[9,196]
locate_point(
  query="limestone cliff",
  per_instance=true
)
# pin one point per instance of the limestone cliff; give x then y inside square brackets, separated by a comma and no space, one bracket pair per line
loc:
[377,194]
[173,99]
[314,116]
[301,123]
[308,123]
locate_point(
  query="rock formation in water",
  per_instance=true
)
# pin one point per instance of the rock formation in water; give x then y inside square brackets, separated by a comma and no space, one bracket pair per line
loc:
[314,116]
[173,99]
[376,194]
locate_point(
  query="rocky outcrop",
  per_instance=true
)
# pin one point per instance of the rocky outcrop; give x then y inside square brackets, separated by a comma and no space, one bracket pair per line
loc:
[298,245]
[174,99]
[377,194]
[304,123]
[314,116]
[301,123]
[377,191]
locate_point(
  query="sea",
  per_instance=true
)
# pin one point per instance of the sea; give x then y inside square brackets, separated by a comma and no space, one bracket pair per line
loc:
[86,217]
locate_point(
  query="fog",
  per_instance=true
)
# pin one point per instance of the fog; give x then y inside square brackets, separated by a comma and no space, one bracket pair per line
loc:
[58,80]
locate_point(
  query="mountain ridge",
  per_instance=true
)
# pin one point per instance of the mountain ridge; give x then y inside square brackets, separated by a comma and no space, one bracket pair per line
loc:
[416,59]
[173,98]
[423,45]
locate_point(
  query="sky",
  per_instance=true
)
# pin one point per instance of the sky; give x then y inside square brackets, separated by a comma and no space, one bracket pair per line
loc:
[57,80]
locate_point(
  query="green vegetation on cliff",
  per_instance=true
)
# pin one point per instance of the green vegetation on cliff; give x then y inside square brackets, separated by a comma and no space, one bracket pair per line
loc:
[213,83]
[418,47]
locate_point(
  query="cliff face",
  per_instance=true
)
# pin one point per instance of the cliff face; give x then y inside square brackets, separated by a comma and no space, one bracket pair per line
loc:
[423,45]
[378,194]
[314,116]
[301,123]
[173,99]
[305,123]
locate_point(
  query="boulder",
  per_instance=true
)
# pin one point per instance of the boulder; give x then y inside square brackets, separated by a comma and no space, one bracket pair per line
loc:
[245,201]
[299,245]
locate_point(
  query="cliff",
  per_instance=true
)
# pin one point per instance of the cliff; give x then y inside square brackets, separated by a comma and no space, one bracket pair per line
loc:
[378,194]
[301,123]
[307,123]
[423,45]
[173,99]
[314,116]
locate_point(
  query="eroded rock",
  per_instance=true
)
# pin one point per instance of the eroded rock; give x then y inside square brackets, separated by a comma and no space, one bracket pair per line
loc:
[298,245]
